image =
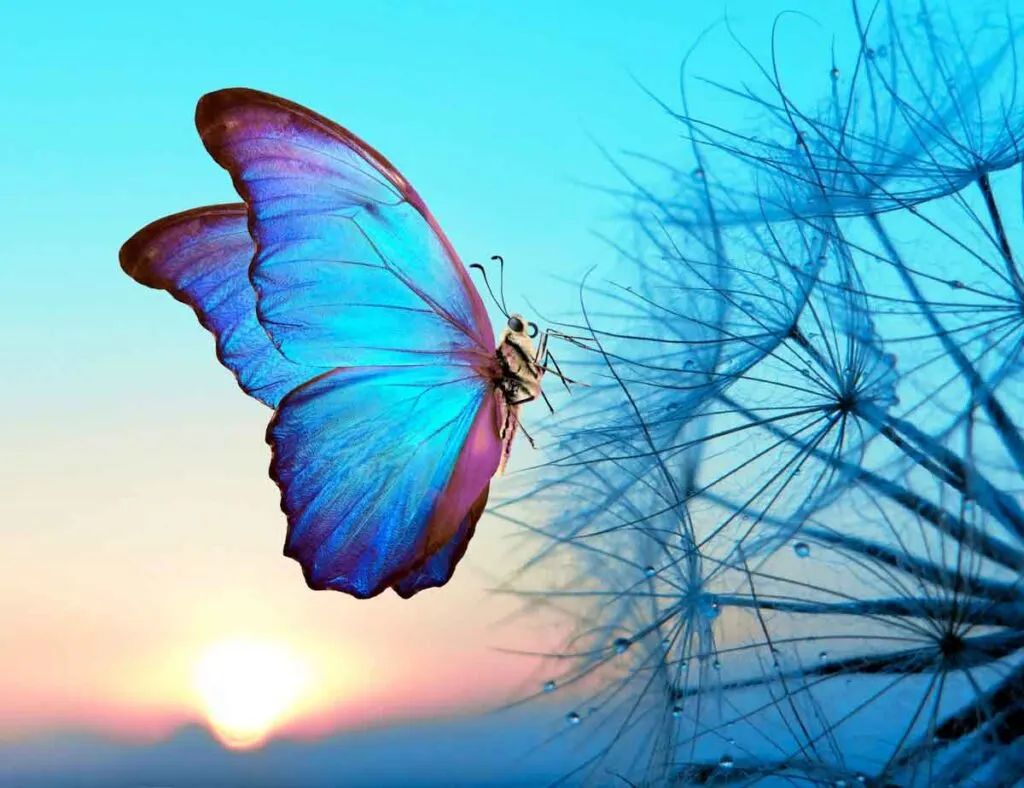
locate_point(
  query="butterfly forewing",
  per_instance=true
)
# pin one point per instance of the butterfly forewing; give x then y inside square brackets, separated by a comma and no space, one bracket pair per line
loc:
[350,268]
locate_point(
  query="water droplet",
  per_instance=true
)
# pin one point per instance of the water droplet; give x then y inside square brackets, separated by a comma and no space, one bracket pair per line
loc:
[834,73]
[650,571]
[549,686]
[572,718]
[747,306]
[956,284]
[802,549]
[716,665]
[882,51]
[805,372]
[709,607]
[677,712]
[840,783]
[869,53]
[621,645]
[666,643]
[689,364]
[861,778]
[823,656]
[698,173]
[726,762]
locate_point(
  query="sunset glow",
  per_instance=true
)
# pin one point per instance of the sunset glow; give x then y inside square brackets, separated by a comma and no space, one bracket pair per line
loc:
[247,688]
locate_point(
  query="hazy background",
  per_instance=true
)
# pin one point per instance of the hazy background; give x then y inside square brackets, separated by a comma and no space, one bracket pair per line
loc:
[138,522]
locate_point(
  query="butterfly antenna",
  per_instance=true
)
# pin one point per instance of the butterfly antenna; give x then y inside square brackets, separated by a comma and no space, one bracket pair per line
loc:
[487,282]
[501,281]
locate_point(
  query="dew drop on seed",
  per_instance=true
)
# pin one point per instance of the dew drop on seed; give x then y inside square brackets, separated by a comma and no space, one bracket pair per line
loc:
[709,607]
[649,571]
[549,686]
[802,549]
[572,718]
[621,645]
[726,762]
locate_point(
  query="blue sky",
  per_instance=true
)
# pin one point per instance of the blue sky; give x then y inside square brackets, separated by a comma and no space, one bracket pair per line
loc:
[137,517]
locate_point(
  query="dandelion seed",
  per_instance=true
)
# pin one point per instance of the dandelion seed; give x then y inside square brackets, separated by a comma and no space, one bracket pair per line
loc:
[853,305]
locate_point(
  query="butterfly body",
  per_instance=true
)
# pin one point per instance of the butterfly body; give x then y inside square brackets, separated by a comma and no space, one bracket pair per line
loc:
[337,300]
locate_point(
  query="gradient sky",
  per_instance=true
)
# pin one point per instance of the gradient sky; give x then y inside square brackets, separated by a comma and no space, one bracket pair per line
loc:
[139,524]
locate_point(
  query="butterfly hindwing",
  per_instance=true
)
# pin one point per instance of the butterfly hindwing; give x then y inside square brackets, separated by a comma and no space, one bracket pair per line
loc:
[437,569]
[202,258]
[350,267]
[366,458]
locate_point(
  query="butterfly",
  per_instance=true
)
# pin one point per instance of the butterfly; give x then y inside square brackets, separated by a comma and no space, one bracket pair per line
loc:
[335,299]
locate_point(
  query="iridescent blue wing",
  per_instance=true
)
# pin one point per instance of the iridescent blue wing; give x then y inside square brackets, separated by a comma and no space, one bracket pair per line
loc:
[202,258]
[350,267]
[379,467]
[438,568]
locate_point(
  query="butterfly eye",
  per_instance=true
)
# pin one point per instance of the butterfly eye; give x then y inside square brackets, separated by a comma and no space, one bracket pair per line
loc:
[515,323]
[532,330]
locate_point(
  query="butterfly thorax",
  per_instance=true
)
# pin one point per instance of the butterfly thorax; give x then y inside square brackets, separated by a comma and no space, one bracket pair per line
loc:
[519,370]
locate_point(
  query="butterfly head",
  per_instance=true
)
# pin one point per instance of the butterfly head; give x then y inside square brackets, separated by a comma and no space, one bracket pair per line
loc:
[520,333]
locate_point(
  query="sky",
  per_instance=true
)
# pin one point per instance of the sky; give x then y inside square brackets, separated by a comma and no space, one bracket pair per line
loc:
[140,528]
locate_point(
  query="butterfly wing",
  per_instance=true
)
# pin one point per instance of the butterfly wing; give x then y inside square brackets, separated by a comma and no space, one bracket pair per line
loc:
[438,568]
[379,468]
[380,462]
[350,267]
[202,258]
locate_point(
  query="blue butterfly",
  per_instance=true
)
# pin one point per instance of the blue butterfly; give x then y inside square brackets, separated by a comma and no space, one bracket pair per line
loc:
[336,299]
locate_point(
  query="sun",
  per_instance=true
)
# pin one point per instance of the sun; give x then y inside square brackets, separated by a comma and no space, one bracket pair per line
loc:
[247,687]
